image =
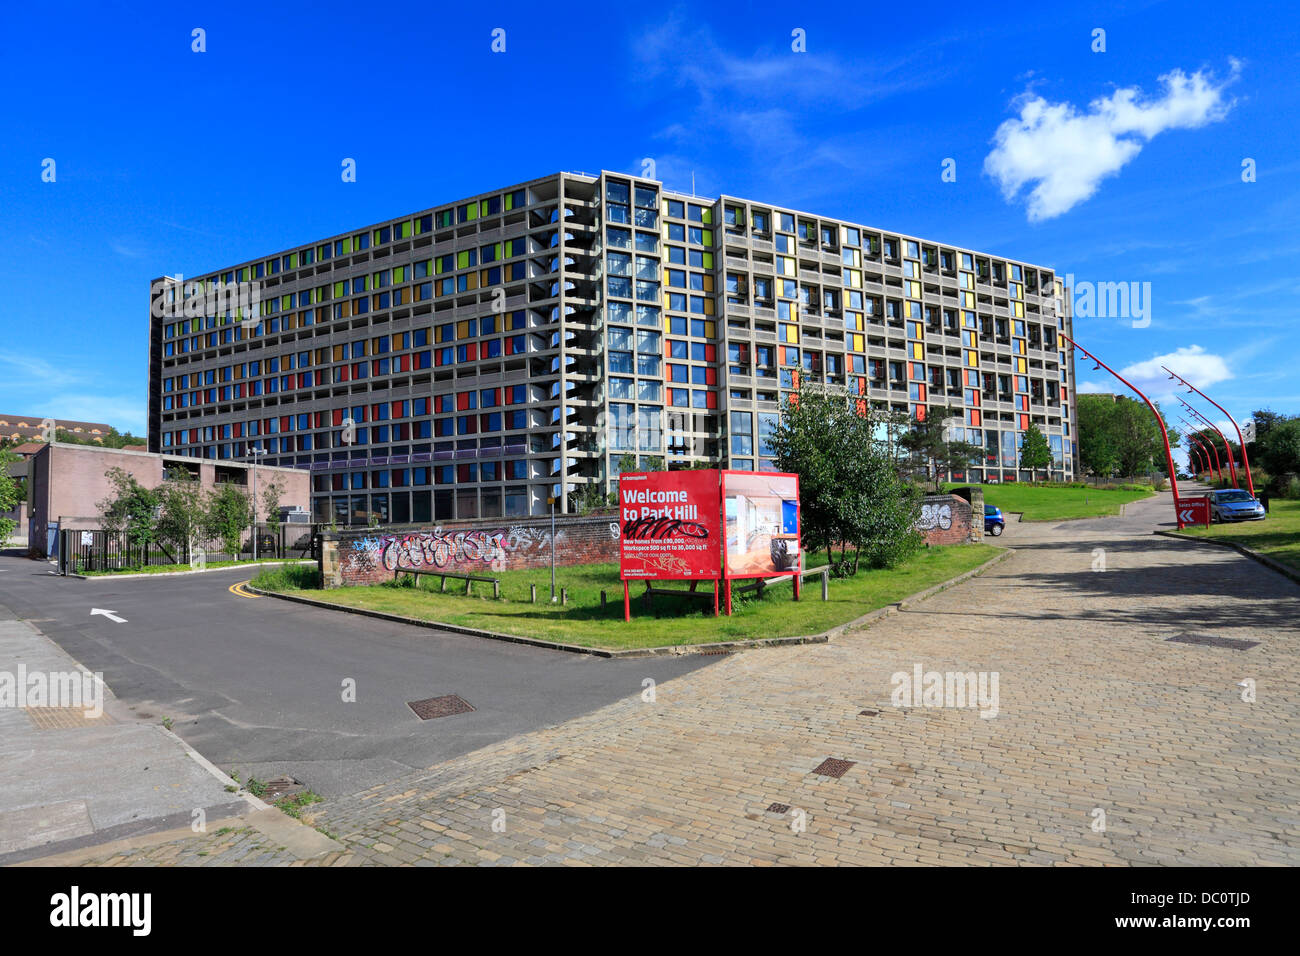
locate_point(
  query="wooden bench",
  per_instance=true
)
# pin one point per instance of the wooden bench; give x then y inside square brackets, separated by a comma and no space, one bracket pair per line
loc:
[444,575]
[760,584]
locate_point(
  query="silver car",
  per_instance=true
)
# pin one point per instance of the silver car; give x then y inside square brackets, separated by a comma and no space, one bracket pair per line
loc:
[1234,504]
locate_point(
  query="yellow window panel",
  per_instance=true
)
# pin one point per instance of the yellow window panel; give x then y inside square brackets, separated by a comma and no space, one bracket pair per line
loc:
[710,329]
[1020,310]
[972,359]
[918,350]
[1021,366]
[462,330]
[859,343]
[1020,346]
[708,283]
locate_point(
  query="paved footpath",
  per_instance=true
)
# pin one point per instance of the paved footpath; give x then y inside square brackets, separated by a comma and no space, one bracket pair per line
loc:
[1111,743]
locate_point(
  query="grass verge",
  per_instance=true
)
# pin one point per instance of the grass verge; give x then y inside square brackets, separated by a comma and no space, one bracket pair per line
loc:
[1277,536]
[672,620]
[174,568]
[1059,502]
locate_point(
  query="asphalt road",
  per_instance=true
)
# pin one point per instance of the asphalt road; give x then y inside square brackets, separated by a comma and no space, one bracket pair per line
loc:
[256,685]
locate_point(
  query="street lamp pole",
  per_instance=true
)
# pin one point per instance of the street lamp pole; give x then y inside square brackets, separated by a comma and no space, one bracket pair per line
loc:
[1164,432]
[255,452]
[1245,459]
[1232,466]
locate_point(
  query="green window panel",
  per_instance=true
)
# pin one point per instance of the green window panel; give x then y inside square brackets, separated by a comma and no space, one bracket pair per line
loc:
[339,290]
[404,230]
[284,302]
[510,201]
[347,246]
[293,260]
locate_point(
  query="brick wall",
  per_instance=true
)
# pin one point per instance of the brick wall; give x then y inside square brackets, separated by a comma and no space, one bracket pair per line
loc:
[482,546]
[946,519]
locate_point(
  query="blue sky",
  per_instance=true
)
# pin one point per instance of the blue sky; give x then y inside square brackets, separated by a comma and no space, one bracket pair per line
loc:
[1115,166]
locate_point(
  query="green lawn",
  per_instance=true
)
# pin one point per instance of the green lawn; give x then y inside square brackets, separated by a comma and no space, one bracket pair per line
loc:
[174,568]
[1277,536]
[1049,503]
[673,621]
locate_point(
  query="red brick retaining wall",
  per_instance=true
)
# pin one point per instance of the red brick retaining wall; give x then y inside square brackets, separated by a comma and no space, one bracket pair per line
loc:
[368,556]
[946,519]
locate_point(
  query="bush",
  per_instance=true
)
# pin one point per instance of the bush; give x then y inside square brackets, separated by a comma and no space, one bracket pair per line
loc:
[1291,489]
[289,577]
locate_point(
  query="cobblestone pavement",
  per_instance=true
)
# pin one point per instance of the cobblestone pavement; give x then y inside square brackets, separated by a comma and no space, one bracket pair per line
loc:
[1098,713]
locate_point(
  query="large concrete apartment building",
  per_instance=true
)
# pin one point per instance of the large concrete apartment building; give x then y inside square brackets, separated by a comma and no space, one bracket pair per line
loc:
[476,358]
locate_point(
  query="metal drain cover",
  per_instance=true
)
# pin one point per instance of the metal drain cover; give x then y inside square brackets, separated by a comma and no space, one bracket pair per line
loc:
[1207,640]
[832,767]
[445,706]
[781,808]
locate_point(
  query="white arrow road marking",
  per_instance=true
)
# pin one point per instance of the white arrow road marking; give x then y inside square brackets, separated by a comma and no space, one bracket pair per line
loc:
[108,614]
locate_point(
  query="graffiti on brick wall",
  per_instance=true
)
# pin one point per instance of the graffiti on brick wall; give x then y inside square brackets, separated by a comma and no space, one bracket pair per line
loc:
[442,549]
[935,516]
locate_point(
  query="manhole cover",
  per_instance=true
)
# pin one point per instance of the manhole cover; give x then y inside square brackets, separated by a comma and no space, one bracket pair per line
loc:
[781,808]
[1206,640]
[280,787]
[444,706]
[868,713]
[832,767]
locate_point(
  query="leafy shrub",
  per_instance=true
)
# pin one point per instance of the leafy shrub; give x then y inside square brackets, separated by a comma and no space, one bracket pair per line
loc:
[289,577]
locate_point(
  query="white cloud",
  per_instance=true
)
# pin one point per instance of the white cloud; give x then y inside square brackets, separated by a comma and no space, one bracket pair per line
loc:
[1203,369]
[1066,153]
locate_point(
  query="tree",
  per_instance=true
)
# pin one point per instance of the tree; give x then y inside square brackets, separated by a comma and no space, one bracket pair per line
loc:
[1281,449]
[227,514]
[183,508]
[1098,443]
[931,450]
[111,439]
[586,499]
[272,492]
[1138,442]
[10,494]
[131,510]
[850,491]
[1035,453]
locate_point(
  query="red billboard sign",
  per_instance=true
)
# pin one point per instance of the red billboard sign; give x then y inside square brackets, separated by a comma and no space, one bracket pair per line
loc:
[1193,511]
[669,525]
[762,523]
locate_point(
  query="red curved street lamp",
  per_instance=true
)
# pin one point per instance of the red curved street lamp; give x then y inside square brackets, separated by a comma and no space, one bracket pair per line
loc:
[1199,460]
[1164,432]
[1191,434]
[1232,465]
[1245,460]
[1203,462]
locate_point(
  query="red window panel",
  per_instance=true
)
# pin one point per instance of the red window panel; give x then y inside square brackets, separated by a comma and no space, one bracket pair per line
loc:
[920,413]
[1064,394]
[194,435]
[401,431]
[711,399]
[336,417]
[342,371]
[710,353]
[404,363]
[1024,422]
[711,378]
[920,393]
[374,367]
[377,412]
[794,378]
[356,369]
[974,418]
[462,401]
[780,355]
[862,407]
[975,400]
[471,352]
[286,423]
